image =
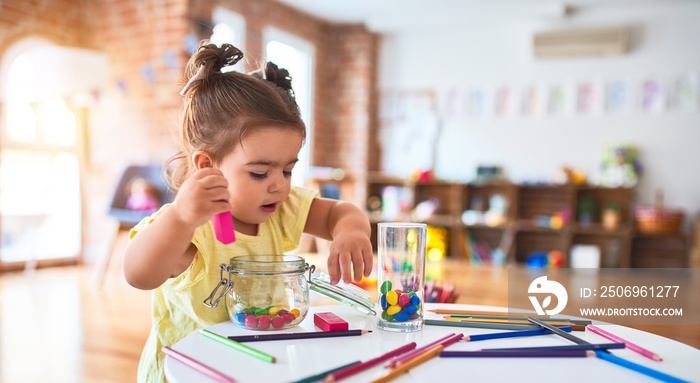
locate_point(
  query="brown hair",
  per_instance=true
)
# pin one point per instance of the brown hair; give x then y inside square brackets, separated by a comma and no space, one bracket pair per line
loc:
[221,108]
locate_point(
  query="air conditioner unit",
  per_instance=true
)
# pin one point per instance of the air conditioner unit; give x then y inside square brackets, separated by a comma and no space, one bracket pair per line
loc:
[585,42]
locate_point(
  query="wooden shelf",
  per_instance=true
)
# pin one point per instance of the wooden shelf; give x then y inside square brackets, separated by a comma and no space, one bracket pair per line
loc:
[521,231]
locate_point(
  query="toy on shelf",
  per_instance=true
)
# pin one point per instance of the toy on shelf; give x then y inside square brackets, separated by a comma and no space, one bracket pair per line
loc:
[556,221]
[574,177]
[436,243]
[545,259]
[143,196]
[489,174]
[658,219]
[612,215]
[426,209]
[423,175]
[495,216]
[621,168]
[587,210]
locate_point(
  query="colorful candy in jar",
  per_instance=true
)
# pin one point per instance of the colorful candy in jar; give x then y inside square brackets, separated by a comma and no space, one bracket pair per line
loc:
[274,317]
[397,305]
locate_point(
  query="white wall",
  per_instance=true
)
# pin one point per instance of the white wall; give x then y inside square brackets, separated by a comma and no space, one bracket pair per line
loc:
[478,52]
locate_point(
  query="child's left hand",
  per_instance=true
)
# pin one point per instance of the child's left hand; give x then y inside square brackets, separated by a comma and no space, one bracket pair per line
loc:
[350,254]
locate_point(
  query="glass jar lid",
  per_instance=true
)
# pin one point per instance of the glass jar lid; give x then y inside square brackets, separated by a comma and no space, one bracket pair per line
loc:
[345,293]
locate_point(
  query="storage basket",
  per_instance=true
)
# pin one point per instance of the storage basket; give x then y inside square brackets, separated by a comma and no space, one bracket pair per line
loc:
[657,219]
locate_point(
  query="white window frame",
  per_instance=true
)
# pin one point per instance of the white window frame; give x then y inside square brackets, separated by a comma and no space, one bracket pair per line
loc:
[274,34]
[235,21]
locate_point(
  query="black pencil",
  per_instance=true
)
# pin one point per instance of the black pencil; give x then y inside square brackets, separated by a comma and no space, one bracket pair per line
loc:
[557,331]
[295,335]
[496,326]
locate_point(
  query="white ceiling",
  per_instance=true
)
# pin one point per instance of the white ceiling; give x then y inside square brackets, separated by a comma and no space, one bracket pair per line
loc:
[393,15]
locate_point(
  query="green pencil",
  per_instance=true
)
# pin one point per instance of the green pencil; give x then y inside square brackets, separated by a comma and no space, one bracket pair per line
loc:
[320,376]
[238,346]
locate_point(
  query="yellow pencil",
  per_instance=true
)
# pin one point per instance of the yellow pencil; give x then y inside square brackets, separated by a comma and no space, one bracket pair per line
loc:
[403,367]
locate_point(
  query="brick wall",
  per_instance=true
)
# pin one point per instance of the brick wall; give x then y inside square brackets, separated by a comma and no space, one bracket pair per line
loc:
[135,120]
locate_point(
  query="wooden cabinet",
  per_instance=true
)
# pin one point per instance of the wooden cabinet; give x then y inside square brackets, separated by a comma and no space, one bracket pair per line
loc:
[518,221]
[396,199]
[666,250]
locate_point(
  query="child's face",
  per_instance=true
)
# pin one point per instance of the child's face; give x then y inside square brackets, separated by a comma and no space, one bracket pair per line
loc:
[259,173]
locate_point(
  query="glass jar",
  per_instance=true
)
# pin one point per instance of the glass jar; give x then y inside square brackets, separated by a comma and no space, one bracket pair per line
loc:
[264,292]
[270,292]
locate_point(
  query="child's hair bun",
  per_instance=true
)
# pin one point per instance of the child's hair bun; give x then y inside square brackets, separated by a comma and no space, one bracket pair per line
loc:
[209,59]
[278,76]
[228,55]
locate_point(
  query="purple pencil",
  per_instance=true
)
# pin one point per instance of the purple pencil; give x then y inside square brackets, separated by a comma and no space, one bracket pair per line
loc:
[517,354]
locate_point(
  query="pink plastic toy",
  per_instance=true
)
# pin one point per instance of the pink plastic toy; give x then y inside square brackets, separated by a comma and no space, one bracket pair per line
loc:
[223,228]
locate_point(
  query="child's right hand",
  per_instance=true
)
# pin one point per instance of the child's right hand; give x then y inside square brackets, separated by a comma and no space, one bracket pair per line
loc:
[201,196]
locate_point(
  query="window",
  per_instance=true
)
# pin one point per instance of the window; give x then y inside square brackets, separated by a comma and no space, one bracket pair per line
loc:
[40,198]
[295,55]
[41,150]
[229,27]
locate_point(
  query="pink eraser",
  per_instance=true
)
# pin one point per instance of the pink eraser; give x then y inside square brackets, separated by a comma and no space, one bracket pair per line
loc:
[330,322]
[223,227]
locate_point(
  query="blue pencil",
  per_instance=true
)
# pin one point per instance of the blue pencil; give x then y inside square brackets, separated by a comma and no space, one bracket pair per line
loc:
[639,368]
[511,334]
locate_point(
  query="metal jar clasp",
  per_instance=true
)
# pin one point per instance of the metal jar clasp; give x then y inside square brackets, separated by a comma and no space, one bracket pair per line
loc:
[225,284]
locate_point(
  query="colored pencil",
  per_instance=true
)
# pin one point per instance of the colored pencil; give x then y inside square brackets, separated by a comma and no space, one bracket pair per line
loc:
[323,375]
[519,321]
[516,317]
[296,335]
[365,365]
[557,331]
[639,368]
[494,326]
[606,355]
[444,341]
[638,349]
[471,312]
[403,367]
[511,334]
[198,366]
[513,321]
[238,346]
[518,354]
[596,346]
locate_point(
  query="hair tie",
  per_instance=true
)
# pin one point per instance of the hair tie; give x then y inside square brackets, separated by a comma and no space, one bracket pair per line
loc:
[197,76]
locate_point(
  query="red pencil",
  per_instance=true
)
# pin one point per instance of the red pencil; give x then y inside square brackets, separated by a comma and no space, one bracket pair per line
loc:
[445,341]
[336,376]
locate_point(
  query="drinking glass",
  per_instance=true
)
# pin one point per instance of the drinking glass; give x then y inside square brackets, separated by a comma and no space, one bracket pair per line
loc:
[401,275]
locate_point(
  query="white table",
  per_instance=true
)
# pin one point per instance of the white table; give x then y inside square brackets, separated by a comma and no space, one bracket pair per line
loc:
[297,359]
